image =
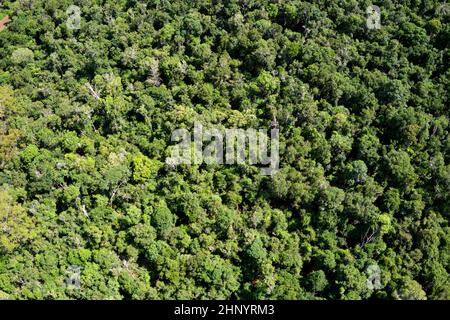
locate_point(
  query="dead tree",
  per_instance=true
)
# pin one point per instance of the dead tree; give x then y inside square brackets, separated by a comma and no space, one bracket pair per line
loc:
[368,237]
[93,91]
[3,22]
[274,124]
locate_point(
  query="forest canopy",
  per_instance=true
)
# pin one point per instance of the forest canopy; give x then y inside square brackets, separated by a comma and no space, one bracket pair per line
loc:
[358,209]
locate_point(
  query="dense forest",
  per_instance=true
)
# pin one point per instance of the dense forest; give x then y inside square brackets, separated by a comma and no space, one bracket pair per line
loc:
[89,98]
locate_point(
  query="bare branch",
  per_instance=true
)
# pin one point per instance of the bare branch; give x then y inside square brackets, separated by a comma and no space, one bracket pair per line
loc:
[93,91]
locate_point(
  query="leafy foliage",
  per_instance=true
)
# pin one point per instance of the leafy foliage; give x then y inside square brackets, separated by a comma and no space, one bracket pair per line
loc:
[86,117]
